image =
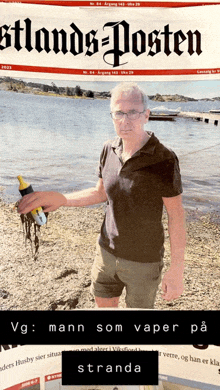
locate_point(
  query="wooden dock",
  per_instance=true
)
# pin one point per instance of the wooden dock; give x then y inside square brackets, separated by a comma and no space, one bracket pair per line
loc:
[206,117]
[202,116]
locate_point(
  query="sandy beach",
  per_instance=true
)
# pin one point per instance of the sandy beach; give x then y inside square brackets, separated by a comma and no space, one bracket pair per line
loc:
[59,279]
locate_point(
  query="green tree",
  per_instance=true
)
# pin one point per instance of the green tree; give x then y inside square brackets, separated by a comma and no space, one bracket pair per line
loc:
[89,94]
[78,91]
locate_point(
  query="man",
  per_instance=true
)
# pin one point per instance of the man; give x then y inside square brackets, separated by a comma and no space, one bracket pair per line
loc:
[137,176]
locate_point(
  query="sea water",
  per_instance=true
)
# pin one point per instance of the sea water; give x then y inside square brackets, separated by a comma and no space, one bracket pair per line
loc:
[55,143]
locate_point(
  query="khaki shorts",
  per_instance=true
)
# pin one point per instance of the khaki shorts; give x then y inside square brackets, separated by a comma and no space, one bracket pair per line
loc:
[111,274]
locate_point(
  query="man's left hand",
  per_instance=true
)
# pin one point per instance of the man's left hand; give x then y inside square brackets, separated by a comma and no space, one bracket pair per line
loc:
[172,284]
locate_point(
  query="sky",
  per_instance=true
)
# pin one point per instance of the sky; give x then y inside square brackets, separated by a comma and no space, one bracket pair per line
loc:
[198,89]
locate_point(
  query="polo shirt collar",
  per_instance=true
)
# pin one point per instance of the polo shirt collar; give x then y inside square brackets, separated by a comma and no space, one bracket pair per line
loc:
[148,148]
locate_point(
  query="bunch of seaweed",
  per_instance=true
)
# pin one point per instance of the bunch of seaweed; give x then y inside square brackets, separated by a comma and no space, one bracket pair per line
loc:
[31,231]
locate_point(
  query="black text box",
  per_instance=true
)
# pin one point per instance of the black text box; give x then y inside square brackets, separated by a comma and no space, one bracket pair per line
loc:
[109,368]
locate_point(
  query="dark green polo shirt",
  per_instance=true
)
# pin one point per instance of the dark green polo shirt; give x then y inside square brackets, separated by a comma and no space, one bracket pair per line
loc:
[132,228]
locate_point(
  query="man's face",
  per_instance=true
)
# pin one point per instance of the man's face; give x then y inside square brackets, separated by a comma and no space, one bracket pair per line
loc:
[125,127]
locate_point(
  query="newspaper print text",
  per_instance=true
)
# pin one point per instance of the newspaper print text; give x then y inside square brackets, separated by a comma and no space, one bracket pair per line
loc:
[122,41]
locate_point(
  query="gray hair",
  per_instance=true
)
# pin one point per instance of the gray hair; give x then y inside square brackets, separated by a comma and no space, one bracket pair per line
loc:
[129,89]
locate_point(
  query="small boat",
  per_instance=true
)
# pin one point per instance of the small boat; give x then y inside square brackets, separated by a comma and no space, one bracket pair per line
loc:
[161,117]
[214,111]
[162,110]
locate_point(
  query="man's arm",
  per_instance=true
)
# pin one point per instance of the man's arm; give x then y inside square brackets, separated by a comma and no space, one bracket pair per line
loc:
[51,201]
[172,283]
[87,197]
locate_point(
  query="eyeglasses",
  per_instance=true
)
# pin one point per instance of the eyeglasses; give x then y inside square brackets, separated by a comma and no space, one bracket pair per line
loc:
[132,115]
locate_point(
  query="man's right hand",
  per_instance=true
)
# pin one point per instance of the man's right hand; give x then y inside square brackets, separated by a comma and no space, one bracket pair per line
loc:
[50,201]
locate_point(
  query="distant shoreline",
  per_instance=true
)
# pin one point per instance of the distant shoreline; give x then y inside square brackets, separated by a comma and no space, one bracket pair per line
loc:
[20,86]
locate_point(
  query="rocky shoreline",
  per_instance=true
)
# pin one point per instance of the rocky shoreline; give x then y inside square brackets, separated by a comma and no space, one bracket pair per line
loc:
[14,85]
[60,277]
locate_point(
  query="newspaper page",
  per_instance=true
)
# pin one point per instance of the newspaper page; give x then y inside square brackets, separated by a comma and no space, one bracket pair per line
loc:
[181,367]
[56,74]
[56,77]
[85,41]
